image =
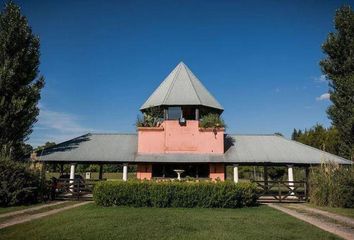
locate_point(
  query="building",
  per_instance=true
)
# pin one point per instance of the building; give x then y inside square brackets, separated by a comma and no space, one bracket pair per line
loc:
[171,138]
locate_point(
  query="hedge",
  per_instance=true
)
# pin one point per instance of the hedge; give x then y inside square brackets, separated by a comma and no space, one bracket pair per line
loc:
[175,194]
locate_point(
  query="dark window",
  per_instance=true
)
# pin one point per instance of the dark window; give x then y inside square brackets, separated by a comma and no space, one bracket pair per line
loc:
[174,113]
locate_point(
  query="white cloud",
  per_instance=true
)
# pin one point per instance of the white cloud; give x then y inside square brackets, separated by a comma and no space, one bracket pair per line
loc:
[324,96]
[56,126]
[320,79]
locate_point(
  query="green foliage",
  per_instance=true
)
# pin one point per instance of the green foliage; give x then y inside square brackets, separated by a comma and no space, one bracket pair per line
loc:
[276,173]
[332,185]
[212,120]
[326,139]
[175,194]
[339,69]
[46,145]
[152,117]
[19,184]
[19,85]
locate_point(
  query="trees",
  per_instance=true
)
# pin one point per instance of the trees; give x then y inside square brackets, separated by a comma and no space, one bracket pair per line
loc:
[326,139]
[339,69]
[20,85]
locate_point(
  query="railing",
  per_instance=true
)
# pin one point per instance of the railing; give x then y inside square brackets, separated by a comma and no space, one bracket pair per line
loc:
[73,189]
[282,191]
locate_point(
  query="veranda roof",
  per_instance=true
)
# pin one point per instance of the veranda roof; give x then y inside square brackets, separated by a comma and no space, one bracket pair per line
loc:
[181,87]
[242,149]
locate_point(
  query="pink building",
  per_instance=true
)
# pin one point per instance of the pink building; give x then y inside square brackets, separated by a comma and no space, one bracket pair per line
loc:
[181,133]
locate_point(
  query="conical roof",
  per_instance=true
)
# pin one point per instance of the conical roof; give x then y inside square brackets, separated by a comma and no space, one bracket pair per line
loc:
[181,87]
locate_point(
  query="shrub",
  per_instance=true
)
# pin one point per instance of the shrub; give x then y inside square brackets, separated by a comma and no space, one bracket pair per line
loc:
[212,120]
[18,184]
[332,185]
[175,194]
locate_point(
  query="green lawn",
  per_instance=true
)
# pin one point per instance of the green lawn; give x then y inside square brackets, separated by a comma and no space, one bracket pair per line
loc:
[347,212]
[93,222]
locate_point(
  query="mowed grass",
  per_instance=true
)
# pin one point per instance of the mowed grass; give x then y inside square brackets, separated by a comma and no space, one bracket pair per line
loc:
[94,222]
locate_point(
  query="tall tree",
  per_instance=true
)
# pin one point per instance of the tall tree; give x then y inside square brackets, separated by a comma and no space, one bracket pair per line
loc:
[339,69]
[20,85]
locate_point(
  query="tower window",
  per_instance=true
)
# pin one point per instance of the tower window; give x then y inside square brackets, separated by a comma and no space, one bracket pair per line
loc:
[174,113]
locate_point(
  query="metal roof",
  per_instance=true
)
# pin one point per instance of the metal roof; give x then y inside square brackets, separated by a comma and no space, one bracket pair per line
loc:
[181,87]
[243,149]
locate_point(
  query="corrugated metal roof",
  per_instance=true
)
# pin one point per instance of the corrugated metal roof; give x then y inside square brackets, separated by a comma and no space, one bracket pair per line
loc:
[243,149]
[275,149]
[181,87]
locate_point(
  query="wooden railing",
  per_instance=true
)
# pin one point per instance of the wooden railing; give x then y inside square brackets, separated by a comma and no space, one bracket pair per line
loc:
[282,191]
[73,189]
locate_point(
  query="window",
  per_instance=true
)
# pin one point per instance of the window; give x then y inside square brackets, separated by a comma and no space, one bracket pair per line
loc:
[174,113]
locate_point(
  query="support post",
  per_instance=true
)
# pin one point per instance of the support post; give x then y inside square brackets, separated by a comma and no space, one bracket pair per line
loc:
[197,114]
[265,177]
[61,169]
[72,177]
[100,175]
[291,178]
[125,171]
[236,173]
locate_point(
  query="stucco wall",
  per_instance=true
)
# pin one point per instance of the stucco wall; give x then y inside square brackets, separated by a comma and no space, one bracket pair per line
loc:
[144,171]
[171,137]
[217,171]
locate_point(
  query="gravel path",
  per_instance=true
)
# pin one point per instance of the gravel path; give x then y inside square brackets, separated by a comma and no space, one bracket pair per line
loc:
[329,222]
[22,219]
[9,214]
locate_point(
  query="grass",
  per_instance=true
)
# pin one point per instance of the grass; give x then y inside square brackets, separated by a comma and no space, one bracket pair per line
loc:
[346,212]
[93,222]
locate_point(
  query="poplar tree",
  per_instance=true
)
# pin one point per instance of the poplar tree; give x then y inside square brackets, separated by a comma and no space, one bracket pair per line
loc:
[20,83]
[338,66]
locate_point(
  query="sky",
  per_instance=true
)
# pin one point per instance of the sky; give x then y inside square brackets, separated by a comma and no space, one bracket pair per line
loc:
[102,60]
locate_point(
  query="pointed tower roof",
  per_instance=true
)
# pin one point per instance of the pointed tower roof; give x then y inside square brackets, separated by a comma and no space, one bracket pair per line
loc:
[181,87]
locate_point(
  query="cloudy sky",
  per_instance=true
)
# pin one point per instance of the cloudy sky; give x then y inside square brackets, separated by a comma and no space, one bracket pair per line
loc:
[101,61]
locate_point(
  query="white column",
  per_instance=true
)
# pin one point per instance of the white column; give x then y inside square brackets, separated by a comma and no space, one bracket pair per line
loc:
[125,171]
[236,173]
[72,176]
[72,172]
[291,177]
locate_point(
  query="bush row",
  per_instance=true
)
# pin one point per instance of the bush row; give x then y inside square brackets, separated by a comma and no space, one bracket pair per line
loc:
[332,185]
[175,194]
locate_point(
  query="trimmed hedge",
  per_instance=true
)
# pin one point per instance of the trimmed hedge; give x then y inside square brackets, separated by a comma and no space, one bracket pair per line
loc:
[175,194]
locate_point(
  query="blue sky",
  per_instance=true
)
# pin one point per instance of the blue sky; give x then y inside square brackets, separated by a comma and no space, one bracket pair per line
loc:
[102,60]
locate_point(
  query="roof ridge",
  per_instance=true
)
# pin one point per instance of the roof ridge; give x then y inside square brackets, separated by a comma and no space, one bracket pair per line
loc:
[190,80]
[173,83]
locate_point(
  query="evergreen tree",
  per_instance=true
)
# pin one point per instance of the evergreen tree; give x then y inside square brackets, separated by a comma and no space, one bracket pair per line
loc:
[294,135]
[20,84]
[339,69]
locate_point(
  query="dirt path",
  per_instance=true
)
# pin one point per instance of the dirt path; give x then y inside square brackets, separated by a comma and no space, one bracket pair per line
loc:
[22,219]
[9,214]
[330,222]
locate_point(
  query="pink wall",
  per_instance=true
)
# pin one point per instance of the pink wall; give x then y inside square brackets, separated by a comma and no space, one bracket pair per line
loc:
[171,137]
[217,171]
[144,171]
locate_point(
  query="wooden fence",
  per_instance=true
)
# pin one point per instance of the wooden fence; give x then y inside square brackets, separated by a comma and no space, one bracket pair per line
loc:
[282,191]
